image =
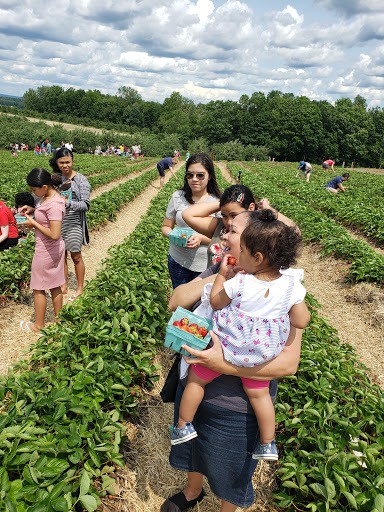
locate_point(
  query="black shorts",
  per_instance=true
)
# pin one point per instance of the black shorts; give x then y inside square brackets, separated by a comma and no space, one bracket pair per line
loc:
[161,171]
[8,242]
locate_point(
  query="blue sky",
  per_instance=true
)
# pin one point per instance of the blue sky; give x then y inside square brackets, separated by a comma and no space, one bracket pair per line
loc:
[204,49]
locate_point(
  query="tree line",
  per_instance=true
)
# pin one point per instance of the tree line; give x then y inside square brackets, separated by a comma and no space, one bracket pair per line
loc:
[281,125]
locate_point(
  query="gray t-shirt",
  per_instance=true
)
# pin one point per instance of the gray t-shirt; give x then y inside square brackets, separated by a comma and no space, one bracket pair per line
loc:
[227,391]
[192,259]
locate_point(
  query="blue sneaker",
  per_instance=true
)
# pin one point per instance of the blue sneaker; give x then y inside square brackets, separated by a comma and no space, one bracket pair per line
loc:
[184,434]
[266,451]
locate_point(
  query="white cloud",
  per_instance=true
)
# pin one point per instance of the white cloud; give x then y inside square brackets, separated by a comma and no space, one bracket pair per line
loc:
[205,49]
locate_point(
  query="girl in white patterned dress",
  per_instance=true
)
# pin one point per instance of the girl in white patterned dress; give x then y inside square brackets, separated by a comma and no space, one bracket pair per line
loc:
[252,316]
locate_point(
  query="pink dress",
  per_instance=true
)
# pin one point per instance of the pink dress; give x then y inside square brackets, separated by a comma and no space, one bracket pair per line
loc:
[48,260]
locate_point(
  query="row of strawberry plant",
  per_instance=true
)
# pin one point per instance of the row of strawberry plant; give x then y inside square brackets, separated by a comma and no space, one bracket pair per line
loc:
[62,419]
[365,263]
[331,424]
[15,263]
[355,208]
[107,177]
[62,414]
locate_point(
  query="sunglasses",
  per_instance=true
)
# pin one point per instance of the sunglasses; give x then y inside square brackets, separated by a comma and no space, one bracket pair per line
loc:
[199,175]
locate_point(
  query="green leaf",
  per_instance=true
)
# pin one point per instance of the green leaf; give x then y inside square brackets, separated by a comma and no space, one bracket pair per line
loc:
[351,499]
[319,489]
[54,467]
[88,502]
[85,483]
[330,488]
[60,504]
[379,502]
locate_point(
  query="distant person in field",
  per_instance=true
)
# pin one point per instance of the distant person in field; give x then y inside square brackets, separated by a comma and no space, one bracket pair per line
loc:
[37,149]
[69,146]
[336,184]
[163,165]
[328,164]
[48,148]
[306,169]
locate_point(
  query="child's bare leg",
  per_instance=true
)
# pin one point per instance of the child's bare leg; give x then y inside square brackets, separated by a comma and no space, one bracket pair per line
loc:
[40,300]
[191,399]
[57,299]
[262,405]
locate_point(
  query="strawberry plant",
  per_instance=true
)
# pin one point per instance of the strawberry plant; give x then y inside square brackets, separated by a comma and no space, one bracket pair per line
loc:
[317,227]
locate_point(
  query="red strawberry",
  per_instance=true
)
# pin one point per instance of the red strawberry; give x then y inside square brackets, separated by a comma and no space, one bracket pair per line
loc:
[203,331]
[176,323]
[231,260]
[184,321]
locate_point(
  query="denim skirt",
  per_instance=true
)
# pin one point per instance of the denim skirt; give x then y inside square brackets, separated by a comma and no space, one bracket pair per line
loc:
[222,451]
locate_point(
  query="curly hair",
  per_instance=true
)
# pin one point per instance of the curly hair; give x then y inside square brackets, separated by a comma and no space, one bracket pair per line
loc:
[24,199]
[278,243]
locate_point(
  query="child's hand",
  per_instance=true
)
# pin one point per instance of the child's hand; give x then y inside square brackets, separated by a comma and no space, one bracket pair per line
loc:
[194,241]
[29,223]
[227,268]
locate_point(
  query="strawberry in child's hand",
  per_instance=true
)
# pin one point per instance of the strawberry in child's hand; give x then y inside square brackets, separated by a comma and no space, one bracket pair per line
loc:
[202,331]
[231,260]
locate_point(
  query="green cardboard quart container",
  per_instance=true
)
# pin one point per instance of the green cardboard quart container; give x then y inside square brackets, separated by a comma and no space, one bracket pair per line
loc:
[176,337]
[175,237]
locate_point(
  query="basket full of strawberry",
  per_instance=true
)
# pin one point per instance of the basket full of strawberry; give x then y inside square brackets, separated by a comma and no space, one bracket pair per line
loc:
[186,328]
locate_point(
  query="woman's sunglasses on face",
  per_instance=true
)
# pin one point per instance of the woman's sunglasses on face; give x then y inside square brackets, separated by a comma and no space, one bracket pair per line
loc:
[199,175]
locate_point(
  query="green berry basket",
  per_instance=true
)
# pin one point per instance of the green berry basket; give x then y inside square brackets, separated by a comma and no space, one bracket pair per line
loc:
[176,337]
[175,236]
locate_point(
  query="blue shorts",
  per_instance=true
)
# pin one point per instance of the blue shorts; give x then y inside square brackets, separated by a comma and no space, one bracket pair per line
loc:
[178,274]
[222,451]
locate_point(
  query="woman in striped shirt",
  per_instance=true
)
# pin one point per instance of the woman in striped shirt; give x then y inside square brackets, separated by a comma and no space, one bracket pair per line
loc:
[74,228]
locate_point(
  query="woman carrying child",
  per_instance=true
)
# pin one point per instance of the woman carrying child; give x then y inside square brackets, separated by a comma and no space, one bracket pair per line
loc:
[48,260]
[253,313]
[225,421]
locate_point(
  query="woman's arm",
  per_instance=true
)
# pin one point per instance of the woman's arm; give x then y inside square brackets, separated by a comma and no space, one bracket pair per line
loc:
[4,232]
[284,364]
[265,204]
[198,217]
[168,225]
[83,193]
[186,295]
[53,232]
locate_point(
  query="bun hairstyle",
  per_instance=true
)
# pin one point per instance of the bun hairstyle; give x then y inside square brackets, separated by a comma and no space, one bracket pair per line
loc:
[278,243]
[59,153]
[238,194]
[39,177]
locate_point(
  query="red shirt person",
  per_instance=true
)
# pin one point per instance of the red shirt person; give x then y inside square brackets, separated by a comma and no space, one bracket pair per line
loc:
[8,230]
[328,164]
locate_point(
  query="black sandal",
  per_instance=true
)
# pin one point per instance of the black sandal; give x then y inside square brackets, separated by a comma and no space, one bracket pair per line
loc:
[179,503]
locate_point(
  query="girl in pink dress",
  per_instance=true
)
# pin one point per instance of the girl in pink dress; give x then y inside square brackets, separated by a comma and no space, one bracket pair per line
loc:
[48,260]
